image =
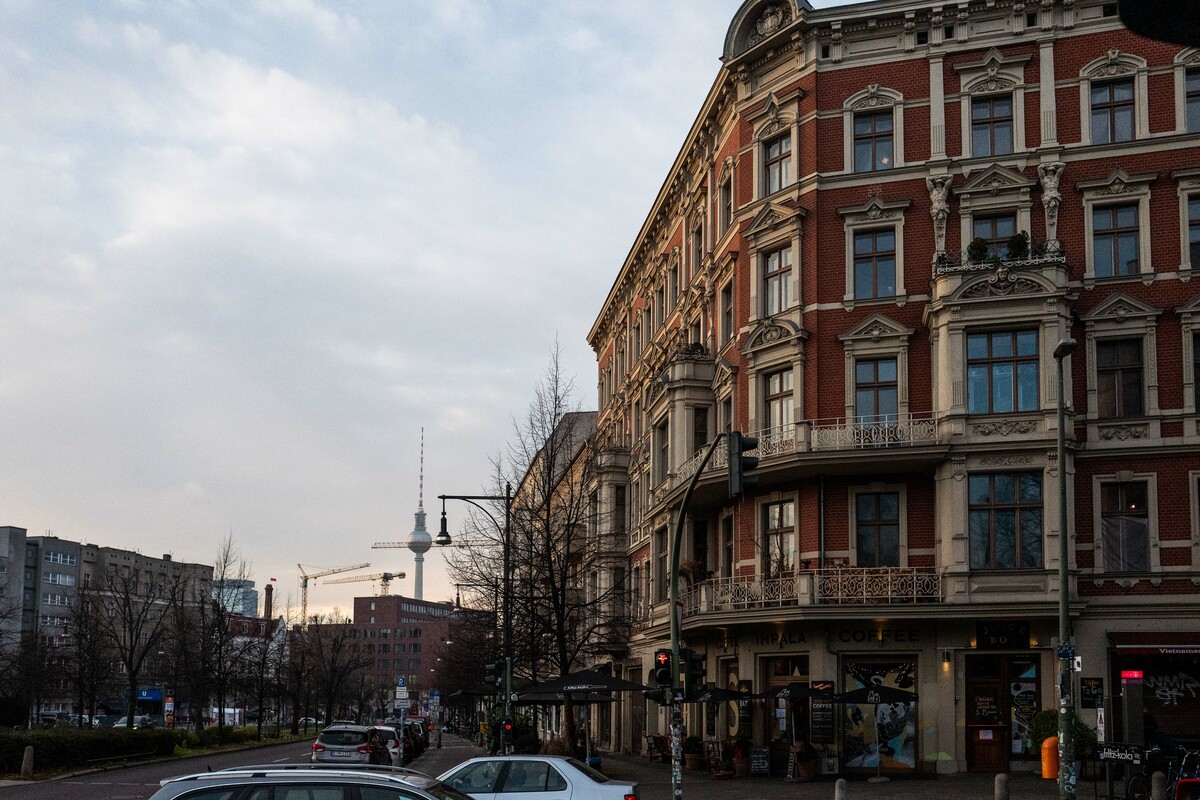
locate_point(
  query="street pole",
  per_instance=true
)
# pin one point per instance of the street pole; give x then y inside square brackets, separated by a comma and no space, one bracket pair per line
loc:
[443,539]
[676,684]
[1066,649]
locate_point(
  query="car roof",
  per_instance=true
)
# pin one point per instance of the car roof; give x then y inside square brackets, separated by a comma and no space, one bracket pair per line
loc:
[346,726]
[321,775]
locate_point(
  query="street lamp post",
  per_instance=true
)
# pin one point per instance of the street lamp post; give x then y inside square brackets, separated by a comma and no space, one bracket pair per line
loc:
[1066,649]
[443,539]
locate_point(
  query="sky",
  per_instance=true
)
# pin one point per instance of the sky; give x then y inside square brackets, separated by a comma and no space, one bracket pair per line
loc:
[250,248]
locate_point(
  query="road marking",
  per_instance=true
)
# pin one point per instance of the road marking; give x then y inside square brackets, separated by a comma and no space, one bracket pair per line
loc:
[279,760]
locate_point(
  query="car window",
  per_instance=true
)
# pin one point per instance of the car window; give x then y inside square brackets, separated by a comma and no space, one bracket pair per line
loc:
[443,791]
[213,793]
[343,737]
[384,793]
[478,778]
[591,772]
[528,776]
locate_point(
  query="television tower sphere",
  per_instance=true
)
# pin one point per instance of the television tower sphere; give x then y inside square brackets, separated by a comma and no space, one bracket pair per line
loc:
[420,541]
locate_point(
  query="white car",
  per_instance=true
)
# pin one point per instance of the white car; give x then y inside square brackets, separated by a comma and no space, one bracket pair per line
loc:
[532,777]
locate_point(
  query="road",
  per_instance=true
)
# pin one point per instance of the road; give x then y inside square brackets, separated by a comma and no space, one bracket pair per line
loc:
[139,782]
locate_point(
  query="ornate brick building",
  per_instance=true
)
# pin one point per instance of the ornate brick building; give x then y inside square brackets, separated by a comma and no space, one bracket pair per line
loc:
[883,222]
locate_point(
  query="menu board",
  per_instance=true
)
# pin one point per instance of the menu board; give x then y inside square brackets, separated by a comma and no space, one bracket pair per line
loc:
[760,761]
[822,723]
[1091,692]
[985,709]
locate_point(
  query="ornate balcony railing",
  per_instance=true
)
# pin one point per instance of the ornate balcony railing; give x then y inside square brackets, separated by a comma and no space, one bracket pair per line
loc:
[1039,254]
[898,430]
[837,586]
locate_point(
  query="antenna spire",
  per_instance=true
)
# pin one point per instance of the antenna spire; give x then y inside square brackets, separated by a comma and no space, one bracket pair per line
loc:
[421,480]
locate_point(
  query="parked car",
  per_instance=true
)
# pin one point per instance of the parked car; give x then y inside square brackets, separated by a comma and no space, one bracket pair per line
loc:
[515,776]
[351,744]
[140,721]
[274,779]
[305,721]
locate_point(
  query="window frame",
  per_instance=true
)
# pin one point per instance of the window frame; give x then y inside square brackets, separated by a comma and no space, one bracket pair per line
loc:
[1016,359]
[871,259]
[990,123]
[1099,557]
[1185,61]
[1121,317]
[875,137]
[1113,234]
[1111,108]
[1018,507]
[874,98]
[876,214]
[777,169]
[1114,374]
[1188,190]
[899,489]
[777,283]
[996,240]
[1121,488]
[783,400]
[876,337]
[1114,66]
[786,533]
[995,75]
[1119,188]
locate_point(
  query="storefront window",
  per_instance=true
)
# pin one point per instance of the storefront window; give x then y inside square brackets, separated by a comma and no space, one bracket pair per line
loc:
[884,735]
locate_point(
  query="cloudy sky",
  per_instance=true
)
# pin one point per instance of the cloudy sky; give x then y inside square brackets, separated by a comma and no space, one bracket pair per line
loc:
[249,248]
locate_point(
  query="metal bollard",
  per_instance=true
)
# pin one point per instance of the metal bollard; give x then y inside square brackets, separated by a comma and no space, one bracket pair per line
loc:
[1001,787]
[1158,786]
[27,763]
[841,790]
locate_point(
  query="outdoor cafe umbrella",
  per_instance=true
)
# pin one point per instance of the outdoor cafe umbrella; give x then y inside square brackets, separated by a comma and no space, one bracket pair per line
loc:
[716,694]
[583,687]
[876,695]
[801,691]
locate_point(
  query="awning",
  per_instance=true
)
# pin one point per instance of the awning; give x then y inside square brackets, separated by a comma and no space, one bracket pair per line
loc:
[1151,643]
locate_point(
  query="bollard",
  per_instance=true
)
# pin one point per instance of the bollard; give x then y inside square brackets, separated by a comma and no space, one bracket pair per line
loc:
[27,763]
[841,790]
[1158,786]
[1001,786]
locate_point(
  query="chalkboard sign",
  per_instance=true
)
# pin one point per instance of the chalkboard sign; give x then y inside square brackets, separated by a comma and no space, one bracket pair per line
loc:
[985,709]
[1091,692]
[713,751]
[822,723]
[760,761]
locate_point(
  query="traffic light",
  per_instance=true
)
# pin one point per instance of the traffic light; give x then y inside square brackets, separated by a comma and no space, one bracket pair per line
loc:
[695,669]
[660,696]
[662,668]
[740,464]
[506,730]
[491,675]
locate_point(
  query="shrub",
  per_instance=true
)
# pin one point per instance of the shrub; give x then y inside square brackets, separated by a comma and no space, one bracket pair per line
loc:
[555,746]
[1045,725]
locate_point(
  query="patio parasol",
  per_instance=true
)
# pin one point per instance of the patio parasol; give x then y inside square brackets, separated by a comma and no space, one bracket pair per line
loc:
[586,687]
[876,695]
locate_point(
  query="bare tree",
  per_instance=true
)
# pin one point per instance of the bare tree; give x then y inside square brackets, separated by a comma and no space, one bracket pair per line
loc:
[335,657]
[562,612]
[93,658]
[136,618]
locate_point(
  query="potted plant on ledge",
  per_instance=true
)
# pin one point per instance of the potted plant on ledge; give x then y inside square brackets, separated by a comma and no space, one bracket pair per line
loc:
[693,753]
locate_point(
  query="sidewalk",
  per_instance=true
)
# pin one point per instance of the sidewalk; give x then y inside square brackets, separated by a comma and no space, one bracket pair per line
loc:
[654,783]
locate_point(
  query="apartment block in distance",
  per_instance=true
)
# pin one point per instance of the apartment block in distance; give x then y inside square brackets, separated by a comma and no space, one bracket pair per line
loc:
[879,235]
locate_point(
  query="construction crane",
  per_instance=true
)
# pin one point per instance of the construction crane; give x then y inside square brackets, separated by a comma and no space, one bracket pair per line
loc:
[305,577]
[384,579]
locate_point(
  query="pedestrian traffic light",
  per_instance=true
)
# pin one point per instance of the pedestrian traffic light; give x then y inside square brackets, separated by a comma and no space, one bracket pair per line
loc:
[695,669]
[491,675]
[506,730]
[740,464]
[662,668]
[660,696]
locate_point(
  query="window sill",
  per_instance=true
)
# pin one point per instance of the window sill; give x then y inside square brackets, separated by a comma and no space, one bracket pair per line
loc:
[898,300]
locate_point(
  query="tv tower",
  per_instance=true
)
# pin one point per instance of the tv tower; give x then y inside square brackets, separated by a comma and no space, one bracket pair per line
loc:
[419,541]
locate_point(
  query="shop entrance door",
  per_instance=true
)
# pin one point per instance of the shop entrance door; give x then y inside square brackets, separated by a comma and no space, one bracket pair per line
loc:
[1002,695]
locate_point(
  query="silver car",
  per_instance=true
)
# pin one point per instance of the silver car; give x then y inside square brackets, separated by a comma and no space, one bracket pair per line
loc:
[351,744]
[304,782]
[533,777]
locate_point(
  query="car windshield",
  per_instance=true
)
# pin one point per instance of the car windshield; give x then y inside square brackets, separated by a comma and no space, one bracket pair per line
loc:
[594,774]
[343,737]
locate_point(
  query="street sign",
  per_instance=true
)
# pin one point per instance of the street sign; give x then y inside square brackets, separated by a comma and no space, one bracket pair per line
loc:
[399,683]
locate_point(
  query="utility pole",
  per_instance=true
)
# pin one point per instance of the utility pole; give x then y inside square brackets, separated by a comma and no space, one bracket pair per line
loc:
[1066,648]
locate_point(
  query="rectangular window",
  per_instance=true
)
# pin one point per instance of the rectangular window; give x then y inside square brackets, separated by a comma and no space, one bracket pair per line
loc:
[1119,378]
[777,281]
[725,212]
[992,126]
[994,231]
[619,510]
[876,390]
[1115,240]
[877,529]
[60,558]
[779,527]
[1005,520]
[1192,88]
[727,313]
[1112,111]
[874,264]
[697,249]
[1002,372]
[1125,527]
[727,547]
[662,444]
[672,287]
[1196,368]
[777,161]
[873,141]
[779,399]
[635,593]
[1194,231]
[660,566]
[699,428]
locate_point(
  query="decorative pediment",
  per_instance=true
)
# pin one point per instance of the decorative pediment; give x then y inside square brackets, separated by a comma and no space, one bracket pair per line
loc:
[996,180]
[874,96]
[771,217]
[876,328]
[755,23]
[771,332]
[1121,308]
[1189,308]
[1117,183]
[1002,282]
[724,374]
[994,73]
[1113,64]
[875,209]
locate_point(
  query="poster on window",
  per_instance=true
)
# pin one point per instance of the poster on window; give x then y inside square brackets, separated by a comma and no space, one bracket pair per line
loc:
[1024,704]
[882,735]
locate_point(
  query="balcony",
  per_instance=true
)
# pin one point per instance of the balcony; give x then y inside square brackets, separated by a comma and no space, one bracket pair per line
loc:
[976,258]
[831,587]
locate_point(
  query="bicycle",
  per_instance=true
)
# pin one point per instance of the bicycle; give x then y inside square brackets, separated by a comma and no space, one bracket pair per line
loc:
[1183,765]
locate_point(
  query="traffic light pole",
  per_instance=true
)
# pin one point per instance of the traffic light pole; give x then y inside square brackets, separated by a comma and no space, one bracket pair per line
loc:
[676,685]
